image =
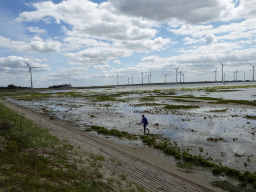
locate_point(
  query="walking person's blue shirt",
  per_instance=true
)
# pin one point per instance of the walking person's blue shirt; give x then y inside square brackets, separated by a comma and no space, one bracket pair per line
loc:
[144,121]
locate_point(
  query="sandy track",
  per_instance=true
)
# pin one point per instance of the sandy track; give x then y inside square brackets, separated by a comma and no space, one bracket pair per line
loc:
[140,165]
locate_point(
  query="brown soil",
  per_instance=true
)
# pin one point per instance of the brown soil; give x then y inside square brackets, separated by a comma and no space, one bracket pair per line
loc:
[141,165]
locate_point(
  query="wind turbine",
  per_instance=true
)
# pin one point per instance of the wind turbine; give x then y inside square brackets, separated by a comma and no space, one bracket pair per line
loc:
[150,77]
[142,76]
[165,77]
[132,78]
[180,75]
[244,76]
[183,76]
[215,75]
[176,73]
[222,70]
[117,78]
[128,79]
[236,73]
[30,73]
[253,72]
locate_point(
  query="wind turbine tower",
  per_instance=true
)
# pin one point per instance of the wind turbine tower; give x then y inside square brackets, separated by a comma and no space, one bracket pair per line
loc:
[180,76]
[150,77]
[253,72]
[128,79]
[132,78]
[215,75]
[165,77]
[222,70]
[117,78]
[142,76]
[176,74]
[30,70]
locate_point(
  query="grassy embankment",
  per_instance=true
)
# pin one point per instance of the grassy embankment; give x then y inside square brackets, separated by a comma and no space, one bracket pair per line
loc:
[32,159]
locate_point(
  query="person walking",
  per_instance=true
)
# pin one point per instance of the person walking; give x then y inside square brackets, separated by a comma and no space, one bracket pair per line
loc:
[145,123]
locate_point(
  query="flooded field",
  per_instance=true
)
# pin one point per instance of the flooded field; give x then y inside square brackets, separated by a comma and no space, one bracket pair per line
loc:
[214,121]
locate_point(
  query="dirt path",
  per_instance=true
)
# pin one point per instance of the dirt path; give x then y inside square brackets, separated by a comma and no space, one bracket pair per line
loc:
[140,165]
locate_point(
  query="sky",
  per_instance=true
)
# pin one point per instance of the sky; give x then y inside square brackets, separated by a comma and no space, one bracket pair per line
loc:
[91,43]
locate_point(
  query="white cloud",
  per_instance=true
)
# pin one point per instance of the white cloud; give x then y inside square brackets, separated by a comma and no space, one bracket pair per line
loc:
[17,65]
[67,75]
[187,11]
[117,62]
[36,30]
[101,67]
[88,18]
[36,45]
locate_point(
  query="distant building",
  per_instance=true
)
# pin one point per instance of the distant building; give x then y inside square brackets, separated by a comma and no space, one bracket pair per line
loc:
[61,86]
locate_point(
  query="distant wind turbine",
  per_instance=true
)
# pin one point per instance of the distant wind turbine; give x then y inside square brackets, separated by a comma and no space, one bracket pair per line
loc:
[142,76]
[215,74]
[180,75]
[176,73]
[30,70]
[253,72]
[117,78]
[222,70]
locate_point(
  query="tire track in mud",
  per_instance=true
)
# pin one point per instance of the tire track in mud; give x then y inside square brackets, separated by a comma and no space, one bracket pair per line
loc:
[141,172]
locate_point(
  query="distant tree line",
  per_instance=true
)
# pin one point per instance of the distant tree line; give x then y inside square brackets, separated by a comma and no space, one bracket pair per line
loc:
[11,86]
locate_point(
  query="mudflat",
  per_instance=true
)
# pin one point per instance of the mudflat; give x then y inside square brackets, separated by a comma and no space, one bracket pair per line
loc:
[141,165]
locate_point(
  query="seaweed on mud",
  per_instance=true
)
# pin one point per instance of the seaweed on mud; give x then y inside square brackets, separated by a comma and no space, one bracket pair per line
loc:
[180,106]
[219,111]
[214,139]
[239,102]
[227,186]
[147,99]
[113,132]
[250,117]
[183,100]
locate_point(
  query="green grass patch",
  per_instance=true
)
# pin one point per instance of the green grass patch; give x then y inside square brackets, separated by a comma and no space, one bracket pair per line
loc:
[180,106]
[108,98]
[34,159]
[113,132]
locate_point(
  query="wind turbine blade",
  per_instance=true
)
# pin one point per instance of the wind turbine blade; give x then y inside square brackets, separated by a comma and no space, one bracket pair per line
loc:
[28,72]
[27,64]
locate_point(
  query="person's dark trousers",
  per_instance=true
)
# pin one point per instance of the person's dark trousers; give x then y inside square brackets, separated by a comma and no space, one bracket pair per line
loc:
[145,127]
